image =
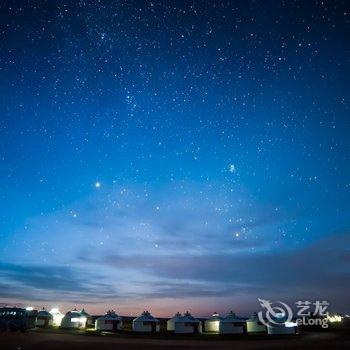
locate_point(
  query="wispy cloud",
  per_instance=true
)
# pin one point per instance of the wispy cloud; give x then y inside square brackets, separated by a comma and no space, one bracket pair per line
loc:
[309,271]
[134,244]
[51,282]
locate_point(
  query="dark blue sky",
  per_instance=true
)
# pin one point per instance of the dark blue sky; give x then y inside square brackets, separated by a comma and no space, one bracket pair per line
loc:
[174,154]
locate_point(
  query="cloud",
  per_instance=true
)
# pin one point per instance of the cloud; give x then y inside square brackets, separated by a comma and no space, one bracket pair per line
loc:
[172,245]
[316,270]
[50,282]
[136,220]
[167,290]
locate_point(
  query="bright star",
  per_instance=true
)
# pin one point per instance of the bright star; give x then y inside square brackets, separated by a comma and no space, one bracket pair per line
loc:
[231,168]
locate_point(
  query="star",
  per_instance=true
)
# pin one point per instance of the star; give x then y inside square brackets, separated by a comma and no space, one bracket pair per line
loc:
[232,168]
[168,136]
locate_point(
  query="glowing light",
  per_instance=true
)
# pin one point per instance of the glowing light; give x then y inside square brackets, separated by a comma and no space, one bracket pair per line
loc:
[80,320]
[232,168]
[56,316]
[334,318]
[290,324]
[29,308]
[97,184]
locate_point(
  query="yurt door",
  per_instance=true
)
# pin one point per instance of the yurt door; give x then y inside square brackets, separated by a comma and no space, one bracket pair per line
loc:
[115,326]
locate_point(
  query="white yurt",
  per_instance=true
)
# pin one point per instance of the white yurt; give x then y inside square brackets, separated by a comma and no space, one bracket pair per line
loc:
[89,320]
[188,324]
[170,324]
[109,322]
[57,316]
[73,319]
[44,319]
[254,325]
[212,324]
[280,326]
[232,324]
[145,323]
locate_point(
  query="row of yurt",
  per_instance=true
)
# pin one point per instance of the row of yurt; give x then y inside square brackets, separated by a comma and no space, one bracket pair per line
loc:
[231,324]
[278,325]
[145,323]
[48,319]
[109,322]
[185,324]
[72,319]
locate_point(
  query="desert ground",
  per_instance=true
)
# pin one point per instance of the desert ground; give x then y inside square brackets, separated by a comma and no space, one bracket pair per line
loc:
[38,340]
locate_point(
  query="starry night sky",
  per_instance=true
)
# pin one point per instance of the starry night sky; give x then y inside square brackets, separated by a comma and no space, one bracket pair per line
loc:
[174,155]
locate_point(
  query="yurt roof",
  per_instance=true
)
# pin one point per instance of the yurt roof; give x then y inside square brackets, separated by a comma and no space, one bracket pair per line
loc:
[146,316]
[231,317]
[45,313]
[253,317]
[176,316]
[84,313]
[73,313]
[187,317]
[110,315]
